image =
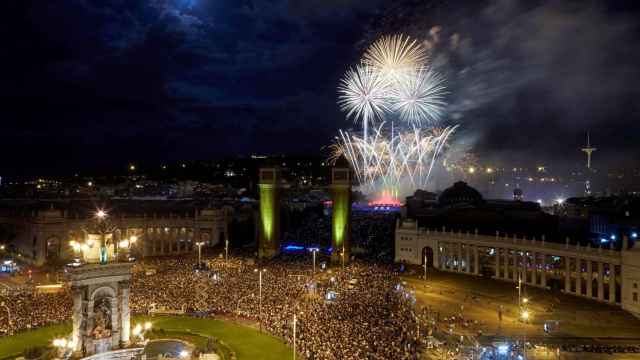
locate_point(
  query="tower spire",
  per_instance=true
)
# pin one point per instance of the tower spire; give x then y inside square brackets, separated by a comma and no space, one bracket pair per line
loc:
[588,150]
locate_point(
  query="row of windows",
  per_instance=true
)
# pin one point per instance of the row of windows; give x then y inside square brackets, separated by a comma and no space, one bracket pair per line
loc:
[405,238]
[406,249]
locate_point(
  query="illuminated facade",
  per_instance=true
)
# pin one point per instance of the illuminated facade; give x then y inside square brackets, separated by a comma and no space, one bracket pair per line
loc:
[269,218]
[602,273]
[341,213]
[161,228]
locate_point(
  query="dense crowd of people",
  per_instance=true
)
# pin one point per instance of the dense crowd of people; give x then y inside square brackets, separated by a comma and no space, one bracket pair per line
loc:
[368,319]
[28,309]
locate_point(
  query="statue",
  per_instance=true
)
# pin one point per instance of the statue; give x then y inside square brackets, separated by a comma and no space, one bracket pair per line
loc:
[102,319]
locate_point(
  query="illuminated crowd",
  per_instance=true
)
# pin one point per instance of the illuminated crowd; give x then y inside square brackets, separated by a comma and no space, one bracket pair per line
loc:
[28,309]
[368,319]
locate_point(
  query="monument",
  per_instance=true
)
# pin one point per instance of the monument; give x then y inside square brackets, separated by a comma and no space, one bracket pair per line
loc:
[100,307]
[341,211]
[269,219]
[100,288]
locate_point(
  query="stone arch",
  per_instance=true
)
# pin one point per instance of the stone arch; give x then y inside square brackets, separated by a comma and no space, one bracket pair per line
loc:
[427,255]
[103,291]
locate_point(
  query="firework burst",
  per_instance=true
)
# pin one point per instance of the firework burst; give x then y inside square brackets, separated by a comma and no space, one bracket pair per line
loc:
[419,97]
[364,94]
[395,56]
[392,82]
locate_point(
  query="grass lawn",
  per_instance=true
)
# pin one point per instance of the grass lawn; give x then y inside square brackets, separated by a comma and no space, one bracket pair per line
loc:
[11,346]
[247,343]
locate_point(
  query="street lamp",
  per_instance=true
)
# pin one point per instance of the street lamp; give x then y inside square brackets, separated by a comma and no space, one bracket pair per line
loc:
[199,245]
[226,251]
[260,294]
[425,265]
[313,253]
[295,323]
[342,255]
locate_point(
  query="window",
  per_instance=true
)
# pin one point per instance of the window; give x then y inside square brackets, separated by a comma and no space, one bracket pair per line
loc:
[635,285]
[635,297]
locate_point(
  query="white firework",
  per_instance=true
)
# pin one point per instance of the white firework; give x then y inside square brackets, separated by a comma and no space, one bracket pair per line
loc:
[400,162]
[395,55]
[364,94]
[419,97]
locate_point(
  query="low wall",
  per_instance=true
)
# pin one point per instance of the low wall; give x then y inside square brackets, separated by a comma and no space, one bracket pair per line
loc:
[123,354]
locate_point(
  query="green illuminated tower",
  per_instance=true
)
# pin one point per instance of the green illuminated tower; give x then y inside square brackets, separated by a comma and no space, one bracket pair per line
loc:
[269,219]
[341,211]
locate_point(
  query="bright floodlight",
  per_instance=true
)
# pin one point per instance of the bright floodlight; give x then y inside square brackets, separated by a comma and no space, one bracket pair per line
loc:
[525,315]
[184,354]
[137,330]
[101,214]
[560,201]
[147,325]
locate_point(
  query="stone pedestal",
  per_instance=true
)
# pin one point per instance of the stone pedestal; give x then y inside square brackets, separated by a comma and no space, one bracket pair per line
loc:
[101,320]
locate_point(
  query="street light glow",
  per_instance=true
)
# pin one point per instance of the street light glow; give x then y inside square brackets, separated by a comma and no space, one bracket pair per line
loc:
[101,214]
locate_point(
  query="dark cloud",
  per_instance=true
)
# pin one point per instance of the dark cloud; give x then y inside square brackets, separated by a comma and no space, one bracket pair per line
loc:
[172,79]
[528,79]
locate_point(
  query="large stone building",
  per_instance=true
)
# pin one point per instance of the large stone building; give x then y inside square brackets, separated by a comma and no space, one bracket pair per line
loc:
[607,273]
[43,231]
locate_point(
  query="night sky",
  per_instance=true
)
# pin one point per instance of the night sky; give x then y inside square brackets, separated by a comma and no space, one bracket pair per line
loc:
[101,83]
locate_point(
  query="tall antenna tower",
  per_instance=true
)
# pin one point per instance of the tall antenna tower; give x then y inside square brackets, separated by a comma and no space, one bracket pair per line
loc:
[588,150]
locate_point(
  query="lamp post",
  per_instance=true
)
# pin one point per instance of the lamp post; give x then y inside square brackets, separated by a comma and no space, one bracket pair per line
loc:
[425,266]
[226,251]
[525,316]
[260,294]
[342,255]
[199,245]
[313,253]
[295,322]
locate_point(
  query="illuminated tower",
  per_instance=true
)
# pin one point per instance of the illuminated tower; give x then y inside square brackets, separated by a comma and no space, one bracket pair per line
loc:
[341,211]
[269,221]
[588,150]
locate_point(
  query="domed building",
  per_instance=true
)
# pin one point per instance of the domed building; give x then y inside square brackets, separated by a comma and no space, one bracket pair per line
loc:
[460,194]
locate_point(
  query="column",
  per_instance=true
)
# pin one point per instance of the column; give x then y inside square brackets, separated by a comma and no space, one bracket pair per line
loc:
[543,271]
[600,282]
[77,317]
[612,284]
[125,321]
[505,263]
[515,265]
[467,259]
[476,261]
[445,255]
[497,263]
[459,267]
[115,323]
[567,275]
[534,267]
[589,279]
[578,276]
